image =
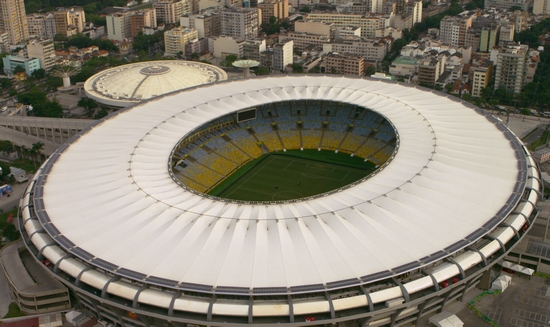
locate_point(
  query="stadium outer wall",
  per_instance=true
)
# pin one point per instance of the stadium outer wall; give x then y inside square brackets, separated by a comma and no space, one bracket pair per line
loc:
[409,308]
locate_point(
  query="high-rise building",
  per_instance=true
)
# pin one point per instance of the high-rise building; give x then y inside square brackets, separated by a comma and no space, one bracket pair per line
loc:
[41,26]
[346,64]
[481,74]
[142,18]
[415,9]
[282,55]
[511,71]
[273,8]
[430,68]
[488,37]
[207,24]
[176,39]
[241,23]
[368,25]
[453,30]
[118,26]
[170,11]
[69,21]
[13,20]
[506,33]
[44,51]
[252,49]
[507,4]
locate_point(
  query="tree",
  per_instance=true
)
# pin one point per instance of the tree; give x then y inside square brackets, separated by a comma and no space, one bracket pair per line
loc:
[19,69]
[101,113]
[88,104]
[10,232]
[195,56]
[467,97]
[36,150]
[5,83]
[262,70]
[6,146]
[229,59]
[371,70]
[449,87]
[297,69]
[305,9]
[39,73]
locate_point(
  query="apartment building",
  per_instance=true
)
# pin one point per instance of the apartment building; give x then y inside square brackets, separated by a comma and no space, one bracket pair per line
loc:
[345,64]
[118,26]
[222,46]
[170,11]
[208,24]
[511,71]
[14,21]
[481,74]
[69,21]
[176,39]
[370,49]
[41,25]
[368,25]
[453,30]
[44,51]
[430,68]
[252,49]
[282,55]
[142,18]
[273,8]
[242,23]
[303,40]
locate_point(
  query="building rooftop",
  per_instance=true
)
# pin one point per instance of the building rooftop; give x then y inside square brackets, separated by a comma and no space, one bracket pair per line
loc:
[405,60]
[129,84]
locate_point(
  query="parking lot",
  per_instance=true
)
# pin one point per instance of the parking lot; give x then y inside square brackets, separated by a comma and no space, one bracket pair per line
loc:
[525,303]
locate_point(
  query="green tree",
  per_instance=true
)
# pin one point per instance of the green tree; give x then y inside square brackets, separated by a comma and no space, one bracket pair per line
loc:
[10,232]
[39,73]
[101,113]
[19,69]
[6,146]
[262,70]
[449,87]
[297,69]
[5,83]
[229,59]
[195,56]
[88,104]
[36,150]
[467,96]
[305,9]
[371,70]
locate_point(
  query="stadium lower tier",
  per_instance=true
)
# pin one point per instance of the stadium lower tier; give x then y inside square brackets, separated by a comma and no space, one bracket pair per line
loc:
[394,299]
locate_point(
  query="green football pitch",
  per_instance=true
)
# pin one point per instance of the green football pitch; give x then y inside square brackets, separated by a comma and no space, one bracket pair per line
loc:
[292,175]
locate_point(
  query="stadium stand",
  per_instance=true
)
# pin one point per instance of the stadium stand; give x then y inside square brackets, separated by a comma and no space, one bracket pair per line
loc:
[217,150]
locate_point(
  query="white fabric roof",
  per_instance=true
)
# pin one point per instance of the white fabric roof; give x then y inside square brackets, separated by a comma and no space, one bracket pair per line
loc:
[129,84]
[111,194]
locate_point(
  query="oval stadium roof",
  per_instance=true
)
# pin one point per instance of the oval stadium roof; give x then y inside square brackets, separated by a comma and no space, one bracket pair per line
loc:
[129,84]
[110,192]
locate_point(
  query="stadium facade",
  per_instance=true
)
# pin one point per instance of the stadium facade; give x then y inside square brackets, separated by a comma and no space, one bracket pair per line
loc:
[139,249]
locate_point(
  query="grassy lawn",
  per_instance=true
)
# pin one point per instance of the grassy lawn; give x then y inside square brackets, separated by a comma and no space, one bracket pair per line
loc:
[25,164]
[4,216]
[291,175]
[540,141]
[14,311]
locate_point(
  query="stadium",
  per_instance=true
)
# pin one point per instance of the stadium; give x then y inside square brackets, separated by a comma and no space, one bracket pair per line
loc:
[140,218]
[125,85]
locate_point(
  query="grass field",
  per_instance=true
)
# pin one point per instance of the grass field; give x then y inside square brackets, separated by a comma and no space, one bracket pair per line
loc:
[291,175]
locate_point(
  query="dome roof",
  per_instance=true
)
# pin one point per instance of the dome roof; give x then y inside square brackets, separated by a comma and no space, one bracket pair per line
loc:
[125,85]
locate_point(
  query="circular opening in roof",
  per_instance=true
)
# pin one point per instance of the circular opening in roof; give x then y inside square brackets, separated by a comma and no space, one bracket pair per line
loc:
[284,151]
[154,70]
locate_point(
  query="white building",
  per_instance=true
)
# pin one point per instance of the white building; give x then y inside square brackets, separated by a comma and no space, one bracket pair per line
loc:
[282,55]
[222,46]
[118,26]
[44,51]
[41,26]
[240,23]
[369,49]
[170,11]
[176,38]
[368,25]
[14,21]
[207,24]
